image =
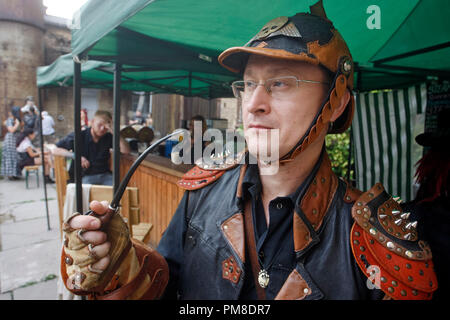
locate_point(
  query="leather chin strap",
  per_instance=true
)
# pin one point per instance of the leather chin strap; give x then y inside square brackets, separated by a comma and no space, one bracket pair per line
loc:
[322,117]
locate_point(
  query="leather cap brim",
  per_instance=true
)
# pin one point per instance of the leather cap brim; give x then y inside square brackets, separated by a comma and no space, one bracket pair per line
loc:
[235,58]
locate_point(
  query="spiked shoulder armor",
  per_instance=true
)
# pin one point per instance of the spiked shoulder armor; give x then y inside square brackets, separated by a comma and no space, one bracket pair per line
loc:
[388,249]
[206,172]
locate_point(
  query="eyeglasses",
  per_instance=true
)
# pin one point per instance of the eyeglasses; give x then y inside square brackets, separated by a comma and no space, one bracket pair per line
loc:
[278,88]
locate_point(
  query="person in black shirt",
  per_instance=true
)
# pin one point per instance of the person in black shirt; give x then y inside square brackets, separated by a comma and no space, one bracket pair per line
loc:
[244,232]
[96,142]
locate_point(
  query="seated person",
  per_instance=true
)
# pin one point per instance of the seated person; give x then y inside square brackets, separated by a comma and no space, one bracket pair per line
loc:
[137,119]
[29,156]
[96,143]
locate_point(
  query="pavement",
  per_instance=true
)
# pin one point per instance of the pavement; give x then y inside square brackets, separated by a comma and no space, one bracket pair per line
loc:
[30,241]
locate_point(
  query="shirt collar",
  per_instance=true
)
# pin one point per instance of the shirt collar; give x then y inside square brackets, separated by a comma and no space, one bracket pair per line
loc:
[251,184]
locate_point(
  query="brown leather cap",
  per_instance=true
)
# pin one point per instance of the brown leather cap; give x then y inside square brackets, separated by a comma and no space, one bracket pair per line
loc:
[303,37]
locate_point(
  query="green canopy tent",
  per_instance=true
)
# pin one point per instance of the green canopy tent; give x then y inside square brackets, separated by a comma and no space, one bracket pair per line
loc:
[410,44]
[100,75]
[390,48]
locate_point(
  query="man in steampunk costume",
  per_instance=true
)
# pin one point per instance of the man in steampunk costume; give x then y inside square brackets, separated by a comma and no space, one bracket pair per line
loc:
[301,233]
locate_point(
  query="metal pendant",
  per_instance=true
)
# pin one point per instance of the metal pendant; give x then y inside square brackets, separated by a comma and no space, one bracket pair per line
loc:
[263,278]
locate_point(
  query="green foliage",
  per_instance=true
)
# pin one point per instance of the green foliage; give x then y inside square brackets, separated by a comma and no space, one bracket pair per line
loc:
[338,147]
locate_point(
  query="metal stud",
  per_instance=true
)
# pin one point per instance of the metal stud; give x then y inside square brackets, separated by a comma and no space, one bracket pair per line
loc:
[390,289]
[410,278]
[383,279]
[394,283]
[347,66]
[362,248]
[358,211]
[395,212]
[390,245]
[396,268]
[68,261]
[409,254]
[408,266]
[348,198]
[382,216]
[405,215]
[398,221]
[305,291]
[415,293]
[373,231]
[388,256]
[407,236]
[403,293]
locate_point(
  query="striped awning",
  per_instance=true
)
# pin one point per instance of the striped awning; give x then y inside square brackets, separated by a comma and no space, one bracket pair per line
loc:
[384,129]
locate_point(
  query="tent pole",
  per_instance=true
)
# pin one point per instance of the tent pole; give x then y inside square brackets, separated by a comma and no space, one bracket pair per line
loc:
[41,139]
[77,141]
[116,126]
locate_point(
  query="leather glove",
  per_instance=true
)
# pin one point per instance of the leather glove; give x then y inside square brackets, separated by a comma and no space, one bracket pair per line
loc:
[78,256]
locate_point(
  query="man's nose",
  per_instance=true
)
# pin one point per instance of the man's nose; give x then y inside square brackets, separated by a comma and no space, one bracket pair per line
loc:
[259,101]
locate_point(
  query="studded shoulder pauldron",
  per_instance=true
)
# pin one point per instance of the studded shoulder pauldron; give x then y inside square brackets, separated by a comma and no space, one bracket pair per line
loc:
[388,249]
[205,173]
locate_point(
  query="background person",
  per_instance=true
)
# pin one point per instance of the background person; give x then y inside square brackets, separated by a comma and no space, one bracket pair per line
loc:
[48,127]
[10,160]
[84,119]
[29,156]
[138,118]
[431,206]
[29,102]
[96,143]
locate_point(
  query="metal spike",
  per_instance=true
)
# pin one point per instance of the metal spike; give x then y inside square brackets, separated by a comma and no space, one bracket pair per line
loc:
[398,221]
[408,236]
[395,212]
[405,215]
[383,216]
[411,225]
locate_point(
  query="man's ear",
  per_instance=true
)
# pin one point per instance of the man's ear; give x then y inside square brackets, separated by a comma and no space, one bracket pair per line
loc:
[344,101]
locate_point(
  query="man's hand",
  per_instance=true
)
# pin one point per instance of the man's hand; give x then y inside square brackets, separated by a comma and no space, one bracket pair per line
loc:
[100,247]
[94,247]
[85,163]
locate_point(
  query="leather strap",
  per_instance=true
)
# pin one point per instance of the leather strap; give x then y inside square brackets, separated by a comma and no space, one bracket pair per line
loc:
[251,246]
[125,291]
